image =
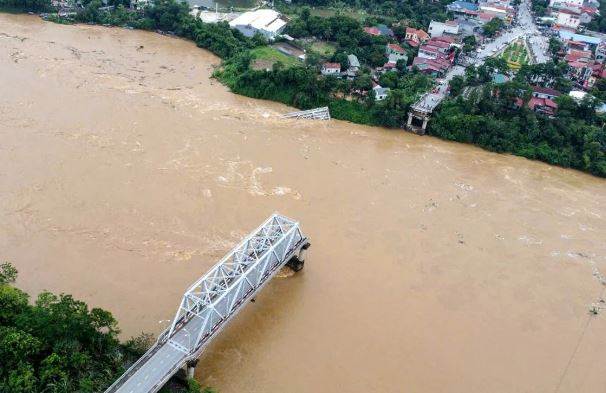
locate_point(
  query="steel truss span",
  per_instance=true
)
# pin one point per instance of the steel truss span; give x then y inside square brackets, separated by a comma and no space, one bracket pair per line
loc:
[213,300]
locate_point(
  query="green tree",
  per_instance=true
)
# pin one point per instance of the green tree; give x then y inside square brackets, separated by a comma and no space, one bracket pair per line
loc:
[555,46]
[469,43]
[8,274]
[491,28]
[456,84]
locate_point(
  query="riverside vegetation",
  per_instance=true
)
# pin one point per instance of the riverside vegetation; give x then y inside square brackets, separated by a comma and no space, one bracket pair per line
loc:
[59,345]
[575,137]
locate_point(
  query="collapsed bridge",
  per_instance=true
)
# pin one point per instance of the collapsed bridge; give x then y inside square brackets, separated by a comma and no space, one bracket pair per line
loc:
[211,302]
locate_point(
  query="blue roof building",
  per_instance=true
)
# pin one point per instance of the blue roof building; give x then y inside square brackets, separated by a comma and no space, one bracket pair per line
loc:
[567,35]
[499,79]
[385,30]
[462,7]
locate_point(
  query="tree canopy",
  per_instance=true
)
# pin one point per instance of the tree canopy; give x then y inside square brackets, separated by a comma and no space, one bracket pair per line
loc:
[57,344]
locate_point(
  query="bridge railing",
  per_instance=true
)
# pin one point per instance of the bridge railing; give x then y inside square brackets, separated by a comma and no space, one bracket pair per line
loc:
[209,303]
[214,294]
[322,113]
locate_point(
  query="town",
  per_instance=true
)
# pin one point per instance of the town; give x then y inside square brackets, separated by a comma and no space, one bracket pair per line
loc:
[463,71]
[477,31]
[226,196]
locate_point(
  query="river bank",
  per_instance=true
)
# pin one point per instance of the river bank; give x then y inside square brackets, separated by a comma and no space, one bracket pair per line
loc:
[126,172]
[573,138]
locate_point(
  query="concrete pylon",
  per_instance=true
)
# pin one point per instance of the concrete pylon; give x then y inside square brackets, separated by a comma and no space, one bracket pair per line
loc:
[191,368]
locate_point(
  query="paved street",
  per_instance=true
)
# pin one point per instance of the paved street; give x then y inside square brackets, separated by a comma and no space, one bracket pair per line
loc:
[525,26]
[538,42]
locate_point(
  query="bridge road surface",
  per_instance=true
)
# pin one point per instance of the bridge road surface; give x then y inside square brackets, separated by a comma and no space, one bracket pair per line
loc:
[169,356]
[214,299]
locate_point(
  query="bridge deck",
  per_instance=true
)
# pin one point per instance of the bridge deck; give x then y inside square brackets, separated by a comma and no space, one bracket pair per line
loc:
[210,303]
[428,102]
[316,114]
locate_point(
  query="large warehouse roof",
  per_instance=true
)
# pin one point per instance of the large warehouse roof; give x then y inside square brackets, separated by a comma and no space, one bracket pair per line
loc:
[268,20]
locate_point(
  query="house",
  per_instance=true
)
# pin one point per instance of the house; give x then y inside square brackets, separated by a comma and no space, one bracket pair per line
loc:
[588,13]
[415,37]
[268,23]
[565,3]
[468,27]
[600,52]
[379,30]
[354,63]
[581,71]
[372,31]
[333,69]
[463,7]
[380,92]
[386,31]
[389,66]
[543,105]
[435,47]
[496,10]
[577,95]
[435,67]
[578,55]
[545,92]
[485,17]
[395,52]
[438,29]
[590,41]
[499,79]
[354,66]
[568,18]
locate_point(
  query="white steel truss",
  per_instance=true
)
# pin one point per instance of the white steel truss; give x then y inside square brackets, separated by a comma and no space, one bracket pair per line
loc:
[217,294]
[208,305]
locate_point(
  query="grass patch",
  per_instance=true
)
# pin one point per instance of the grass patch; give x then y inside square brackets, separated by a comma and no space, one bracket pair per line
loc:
[327,12]
[272,55]
[516,55]
[351,111]
[324,48]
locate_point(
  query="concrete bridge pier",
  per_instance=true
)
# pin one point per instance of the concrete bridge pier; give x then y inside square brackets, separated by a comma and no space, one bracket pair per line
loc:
[191,368]
[420,116]
[297,262]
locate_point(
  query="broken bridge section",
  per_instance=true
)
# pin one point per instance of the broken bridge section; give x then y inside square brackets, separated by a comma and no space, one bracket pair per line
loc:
[211,302]
[314,114]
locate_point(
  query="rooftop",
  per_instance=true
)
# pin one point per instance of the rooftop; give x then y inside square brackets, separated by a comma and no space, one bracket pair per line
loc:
[331,65]
[263,19]
[546,90]
[396,48]
[567,35]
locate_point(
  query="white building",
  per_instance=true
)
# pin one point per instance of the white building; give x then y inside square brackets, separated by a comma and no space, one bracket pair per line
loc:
[331,69]
[438,29]
[566,3]
[268,23]
[380,92]
[354,66]
[136,4]
[568,19]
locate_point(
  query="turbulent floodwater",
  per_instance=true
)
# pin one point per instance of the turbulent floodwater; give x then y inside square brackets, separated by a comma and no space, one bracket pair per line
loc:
[125,173]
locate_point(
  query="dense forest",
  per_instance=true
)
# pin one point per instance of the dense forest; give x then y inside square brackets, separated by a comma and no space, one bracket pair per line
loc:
[58,345]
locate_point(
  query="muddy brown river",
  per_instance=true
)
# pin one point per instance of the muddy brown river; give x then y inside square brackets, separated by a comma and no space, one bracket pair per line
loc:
[126,172]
